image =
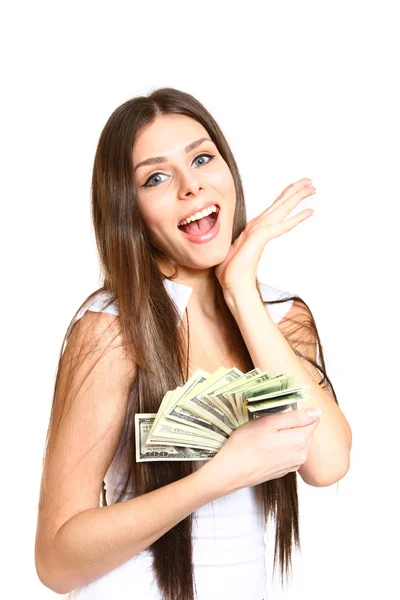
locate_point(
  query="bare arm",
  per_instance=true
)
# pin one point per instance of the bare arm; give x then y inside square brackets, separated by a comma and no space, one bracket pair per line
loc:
[99,540]
[329,456]
[77,541]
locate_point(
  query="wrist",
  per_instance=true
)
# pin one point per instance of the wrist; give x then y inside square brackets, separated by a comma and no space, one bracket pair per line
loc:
[215,479]
[235,298]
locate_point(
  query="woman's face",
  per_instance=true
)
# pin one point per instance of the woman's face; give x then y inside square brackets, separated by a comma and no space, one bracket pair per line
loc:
[180,185]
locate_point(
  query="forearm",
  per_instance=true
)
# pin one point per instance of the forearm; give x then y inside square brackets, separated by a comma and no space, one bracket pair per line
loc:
[98,540]
[270,351]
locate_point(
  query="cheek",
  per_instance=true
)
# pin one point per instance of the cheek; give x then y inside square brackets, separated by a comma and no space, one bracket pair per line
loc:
[150,218]
[229,190]
[155,223]
[148,213]
[225,181]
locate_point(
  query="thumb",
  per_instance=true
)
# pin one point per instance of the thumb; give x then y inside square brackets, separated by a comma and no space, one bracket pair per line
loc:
[294,418]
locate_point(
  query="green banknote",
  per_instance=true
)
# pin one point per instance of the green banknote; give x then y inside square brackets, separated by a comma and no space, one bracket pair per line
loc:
[143,423]
[195,420]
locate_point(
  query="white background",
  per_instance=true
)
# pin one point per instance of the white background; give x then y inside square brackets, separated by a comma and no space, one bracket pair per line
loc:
[300,89]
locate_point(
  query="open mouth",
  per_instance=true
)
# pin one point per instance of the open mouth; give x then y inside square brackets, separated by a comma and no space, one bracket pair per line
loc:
[201,226]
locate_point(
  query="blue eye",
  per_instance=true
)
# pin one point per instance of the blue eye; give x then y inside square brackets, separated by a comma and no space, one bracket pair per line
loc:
[146,184]
[152,177]
[209,155]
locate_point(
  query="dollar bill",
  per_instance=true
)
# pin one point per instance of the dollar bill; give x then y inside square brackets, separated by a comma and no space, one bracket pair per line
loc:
[143,423]
[167,430]
[201,402]
[192,408]
[172,396]
[272,410]
[273,406]
[195,420]
[219,395]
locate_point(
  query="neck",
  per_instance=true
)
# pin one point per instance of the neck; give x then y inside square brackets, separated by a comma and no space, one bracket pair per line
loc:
[204,285]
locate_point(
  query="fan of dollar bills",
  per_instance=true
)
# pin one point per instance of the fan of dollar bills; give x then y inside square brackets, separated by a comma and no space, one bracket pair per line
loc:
[195,420]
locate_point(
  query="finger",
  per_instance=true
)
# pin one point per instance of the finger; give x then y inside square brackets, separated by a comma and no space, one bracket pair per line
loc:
[292,188]
[302,435]
[308,430]
[281,211]
[310,438]
[288,192]
[289,419]
[280,228]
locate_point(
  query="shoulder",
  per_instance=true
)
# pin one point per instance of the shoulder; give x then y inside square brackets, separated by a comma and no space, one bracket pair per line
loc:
[95,346]
[287,308]
[96,328]
[101,302]
[281,301]
[298,326]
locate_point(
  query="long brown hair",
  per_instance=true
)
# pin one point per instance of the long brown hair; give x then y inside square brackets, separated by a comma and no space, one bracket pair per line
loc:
[149,327]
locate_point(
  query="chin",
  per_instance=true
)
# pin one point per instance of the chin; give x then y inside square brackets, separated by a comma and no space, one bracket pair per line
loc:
[210,260]
[198,256]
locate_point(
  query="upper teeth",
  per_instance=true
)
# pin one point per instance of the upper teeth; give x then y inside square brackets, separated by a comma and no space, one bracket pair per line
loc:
[199,215]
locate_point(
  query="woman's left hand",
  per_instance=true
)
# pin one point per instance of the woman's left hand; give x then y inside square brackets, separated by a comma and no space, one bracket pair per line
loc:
[240,265]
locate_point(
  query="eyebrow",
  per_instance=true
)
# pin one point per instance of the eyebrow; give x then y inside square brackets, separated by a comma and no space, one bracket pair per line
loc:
[161,159]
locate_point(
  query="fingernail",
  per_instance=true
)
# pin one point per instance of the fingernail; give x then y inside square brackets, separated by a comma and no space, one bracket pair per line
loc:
[313,412]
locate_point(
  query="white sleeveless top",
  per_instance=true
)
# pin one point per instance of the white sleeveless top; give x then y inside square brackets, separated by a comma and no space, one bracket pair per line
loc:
[228,534]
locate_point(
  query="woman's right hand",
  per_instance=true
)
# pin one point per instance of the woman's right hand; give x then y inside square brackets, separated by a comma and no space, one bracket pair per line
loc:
[263,449]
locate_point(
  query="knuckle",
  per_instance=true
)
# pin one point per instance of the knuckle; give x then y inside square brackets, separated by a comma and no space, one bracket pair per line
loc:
[300,443]
[297,418]
[303,455]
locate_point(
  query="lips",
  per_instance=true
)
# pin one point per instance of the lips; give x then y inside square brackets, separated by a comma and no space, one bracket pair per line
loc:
[201,238]
[200,208]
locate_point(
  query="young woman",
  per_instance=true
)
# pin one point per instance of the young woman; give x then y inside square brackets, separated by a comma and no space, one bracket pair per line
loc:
[175,300]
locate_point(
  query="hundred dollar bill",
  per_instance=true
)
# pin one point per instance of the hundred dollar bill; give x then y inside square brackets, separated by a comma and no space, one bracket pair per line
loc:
[274,384]
[270,386]
[199,416]
[174,412]
[183,412]
[172,396]
[245,380]
[204,406]
[177,423]
[194,431]
[217,395]
[169,432]
[143,423]
[271,395]
[270,411]
[267,407]
[249,380]
[237,398]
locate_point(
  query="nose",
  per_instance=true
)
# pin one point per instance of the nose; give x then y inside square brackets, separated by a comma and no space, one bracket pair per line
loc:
[190,185]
